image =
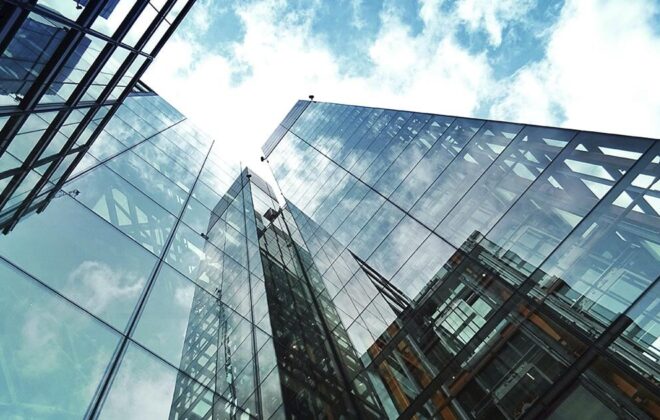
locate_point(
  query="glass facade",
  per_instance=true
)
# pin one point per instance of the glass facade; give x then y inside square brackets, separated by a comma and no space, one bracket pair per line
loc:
[408,265]
[476,269]
[66,66]
[139,291]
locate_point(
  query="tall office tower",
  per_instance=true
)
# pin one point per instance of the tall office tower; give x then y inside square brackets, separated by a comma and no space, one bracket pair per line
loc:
[65,67]
[126,289]
[139,291]
[476,269]
[419,266]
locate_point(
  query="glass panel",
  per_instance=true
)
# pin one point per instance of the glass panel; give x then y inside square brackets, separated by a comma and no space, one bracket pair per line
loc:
[112,15]
[144,128]
[198,217]
[503,183]
[435,161]
[582,404]
[196,258]
[124,131]
[392,149]
[112,198]
[105,146]
[180,323]
[53,354]
[558,200]
[73,70]
[359,217]
[166,165]
[165,141]
[82,257]
[423,266]
[631,397]
[139,28]
[399,245]
[613,256]
[88,161]
[24,189]
[149,181]
[412,154]
[106,74]
[156,37]
[639,343]
[458,177]
[26,55]
[147,388]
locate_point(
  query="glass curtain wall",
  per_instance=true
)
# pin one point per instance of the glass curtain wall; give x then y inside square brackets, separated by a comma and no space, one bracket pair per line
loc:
[65,67]
[138,292]
[481,269]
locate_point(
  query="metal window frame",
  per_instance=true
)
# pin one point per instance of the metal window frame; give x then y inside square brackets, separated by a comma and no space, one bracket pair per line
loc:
[17,13]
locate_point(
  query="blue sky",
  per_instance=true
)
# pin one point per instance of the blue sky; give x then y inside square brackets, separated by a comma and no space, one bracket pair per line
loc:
[235,68]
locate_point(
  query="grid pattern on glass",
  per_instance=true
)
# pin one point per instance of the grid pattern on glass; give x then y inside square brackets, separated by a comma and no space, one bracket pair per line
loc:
[117,257]
[64,55]
[468,251]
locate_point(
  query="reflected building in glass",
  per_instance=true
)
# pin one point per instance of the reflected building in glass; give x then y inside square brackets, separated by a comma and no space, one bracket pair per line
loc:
[477,269]
[139,291]
[130,269]
[65,68]
[408,265]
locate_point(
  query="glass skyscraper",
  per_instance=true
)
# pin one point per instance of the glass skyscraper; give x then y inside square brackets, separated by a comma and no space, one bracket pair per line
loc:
[477,269]
[406,265]
[139,291]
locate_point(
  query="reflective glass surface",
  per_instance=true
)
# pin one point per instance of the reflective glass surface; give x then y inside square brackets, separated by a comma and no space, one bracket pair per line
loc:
[464,266]
[409,265]
[125,207]
[53,354]
[146,387]
[83,257]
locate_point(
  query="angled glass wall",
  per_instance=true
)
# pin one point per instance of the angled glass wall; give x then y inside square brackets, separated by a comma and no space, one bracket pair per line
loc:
[65,68]
[479,269]
[139,292]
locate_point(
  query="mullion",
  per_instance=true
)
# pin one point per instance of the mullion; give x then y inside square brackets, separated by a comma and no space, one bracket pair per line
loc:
[77,94]
[120,100]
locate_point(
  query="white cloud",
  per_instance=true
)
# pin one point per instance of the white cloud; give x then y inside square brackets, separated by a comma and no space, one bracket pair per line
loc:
[96,285]
[491,16]
[357,20]
[282,60]
[600,70]
[39,331]
[143,389]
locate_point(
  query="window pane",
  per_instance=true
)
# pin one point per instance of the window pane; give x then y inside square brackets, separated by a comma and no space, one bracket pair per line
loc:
[147,388]
[435,161]
[82,257]
[26,55]
[412,154]
[149,181]
[166,165]
[180,323]
[558,200]
[375,230]
[458,177]
[639,343]
[504,182]
[125,207]
[53,354]
[612,257]
[112,15]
